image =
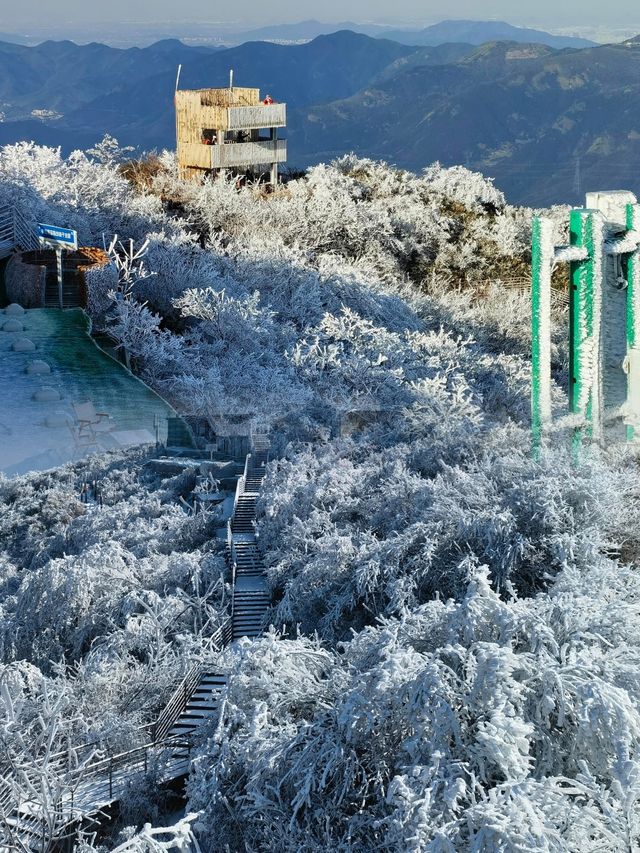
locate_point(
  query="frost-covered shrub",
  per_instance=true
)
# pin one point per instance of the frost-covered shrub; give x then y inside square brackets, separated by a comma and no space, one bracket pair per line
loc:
[83,193]
[479,725]
[111,603]
[100,281]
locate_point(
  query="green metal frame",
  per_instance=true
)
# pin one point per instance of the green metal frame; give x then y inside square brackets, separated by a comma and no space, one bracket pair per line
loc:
[588,341]
[584,377]
[633,300]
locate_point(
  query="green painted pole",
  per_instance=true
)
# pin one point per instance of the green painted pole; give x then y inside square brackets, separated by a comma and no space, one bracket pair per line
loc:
[585,311]
[633,326]
[542,254]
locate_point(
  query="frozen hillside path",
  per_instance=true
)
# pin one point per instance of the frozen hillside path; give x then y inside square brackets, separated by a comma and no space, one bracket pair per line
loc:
[196,701]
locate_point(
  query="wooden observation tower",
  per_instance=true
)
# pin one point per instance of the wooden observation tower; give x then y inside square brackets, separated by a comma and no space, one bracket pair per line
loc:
[232,128]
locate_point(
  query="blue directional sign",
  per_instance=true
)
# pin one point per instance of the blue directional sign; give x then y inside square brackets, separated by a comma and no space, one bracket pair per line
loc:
[58,238]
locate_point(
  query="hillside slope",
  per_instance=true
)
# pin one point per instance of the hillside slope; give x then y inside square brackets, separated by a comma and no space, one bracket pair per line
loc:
[129,93]
[520,113]
[456,645]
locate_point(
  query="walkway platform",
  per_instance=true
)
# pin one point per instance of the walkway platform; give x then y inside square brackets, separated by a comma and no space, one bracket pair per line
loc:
[38,434]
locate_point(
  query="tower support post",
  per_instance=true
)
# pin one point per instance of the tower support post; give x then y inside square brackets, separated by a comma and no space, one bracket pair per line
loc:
[585,322]
[542,267]
[633,329]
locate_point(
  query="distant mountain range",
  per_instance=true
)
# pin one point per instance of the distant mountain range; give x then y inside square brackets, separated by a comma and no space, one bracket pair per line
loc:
[145,33]
[129,93]
[302,31]
[466,32]
[13,38]
[481,32]
[546,123]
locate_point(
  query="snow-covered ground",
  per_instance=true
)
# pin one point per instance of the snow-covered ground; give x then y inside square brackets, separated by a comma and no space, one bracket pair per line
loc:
[40,434]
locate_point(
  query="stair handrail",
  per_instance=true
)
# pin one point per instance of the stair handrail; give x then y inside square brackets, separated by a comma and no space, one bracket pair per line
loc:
[6,225]
[241,484]
[15,229]
[185,689]
[24,236]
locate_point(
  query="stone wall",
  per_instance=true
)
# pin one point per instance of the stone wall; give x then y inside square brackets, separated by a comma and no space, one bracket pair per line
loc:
[25,283]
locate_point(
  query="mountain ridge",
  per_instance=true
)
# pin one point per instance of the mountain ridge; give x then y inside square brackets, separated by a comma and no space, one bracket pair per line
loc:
[523,114]
[529,115]
[480,32]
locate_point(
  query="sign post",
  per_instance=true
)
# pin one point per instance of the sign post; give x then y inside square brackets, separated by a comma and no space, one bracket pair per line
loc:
[59,272]
[59,239]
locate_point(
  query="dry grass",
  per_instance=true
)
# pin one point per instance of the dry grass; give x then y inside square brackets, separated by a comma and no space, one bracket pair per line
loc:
[141,173]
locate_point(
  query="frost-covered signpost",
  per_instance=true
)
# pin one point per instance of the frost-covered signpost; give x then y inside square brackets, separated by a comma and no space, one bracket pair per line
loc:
[59,239]
[604,319]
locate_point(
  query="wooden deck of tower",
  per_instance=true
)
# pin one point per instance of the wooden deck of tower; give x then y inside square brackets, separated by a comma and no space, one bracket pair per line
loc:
[230,128]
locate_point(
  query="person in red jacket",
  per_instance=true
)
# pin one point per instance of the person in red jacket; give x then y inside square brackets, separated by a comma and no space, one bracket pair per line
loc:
[268,100]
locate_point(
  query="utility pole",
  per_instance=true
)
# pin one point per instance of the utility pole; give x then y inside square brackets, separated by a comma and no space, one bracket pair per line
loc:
[577,178]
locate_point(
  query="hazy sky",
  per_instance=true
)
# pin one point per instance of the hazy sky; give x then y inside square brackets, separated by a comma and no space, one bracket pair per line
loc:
[548,12]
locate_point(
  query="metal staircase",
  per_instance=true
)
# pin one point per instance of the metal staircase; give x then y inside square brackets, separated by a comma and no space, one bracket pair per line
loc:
[15,233]
[251,598]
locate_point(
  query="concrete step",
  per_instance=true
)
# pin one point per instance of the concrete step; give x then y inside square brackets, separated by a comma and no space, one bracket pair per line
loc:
[258,593]
[198,714]
[208,689]
[204,695]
